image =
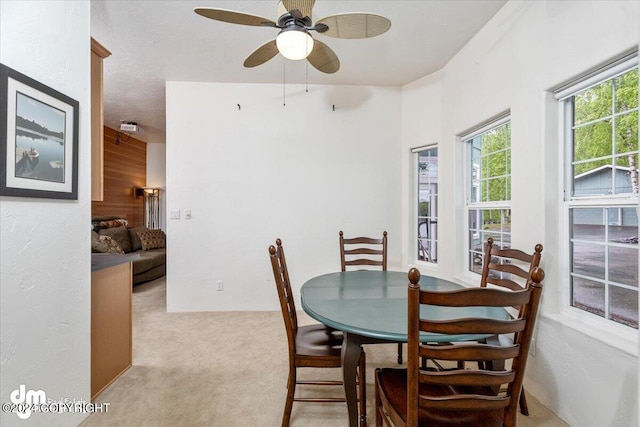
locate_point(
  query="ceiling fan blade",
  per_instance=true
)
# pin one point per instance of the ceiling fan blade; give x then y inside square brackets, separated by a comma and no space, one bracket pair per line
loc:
[355,25]
[262,54]
[234,17]
[323,58]
[304,6]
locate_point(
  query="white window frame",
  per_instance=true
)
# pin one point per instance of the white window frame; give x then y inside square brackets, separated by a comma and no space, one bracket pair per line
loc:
[465,137]
[598,326]
[415,233]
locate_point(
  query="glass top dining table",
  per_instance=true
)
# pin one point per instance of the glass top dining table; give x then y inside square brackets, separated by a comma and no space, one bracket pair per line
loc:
[371,307]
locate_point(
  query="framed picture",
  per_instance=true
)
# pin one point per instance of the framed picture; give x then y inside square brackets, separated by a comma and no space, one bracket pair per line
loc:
[38,140]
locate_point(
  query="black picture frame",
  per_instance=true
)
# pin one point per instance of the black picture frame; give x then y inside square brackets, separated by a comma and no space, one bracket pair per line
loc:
[38,139]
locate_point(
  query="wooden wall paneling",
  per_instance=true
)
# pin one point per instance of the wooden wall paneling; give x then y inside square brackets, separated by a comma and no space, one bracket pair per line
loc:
[125,167]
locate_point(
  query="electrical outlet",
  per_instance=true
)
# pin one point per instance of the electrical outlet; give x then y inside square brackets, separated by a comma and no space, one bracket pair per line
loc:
[219,285]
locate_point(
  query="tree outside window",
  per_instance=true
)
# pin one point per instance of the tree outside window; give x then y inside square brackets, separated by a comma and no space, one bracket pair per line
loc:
[602,198]
[488,190]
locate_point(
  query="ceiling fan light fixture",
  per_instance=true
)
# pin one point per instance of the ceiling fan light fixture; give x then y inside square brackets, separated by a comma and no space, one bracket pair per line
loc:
[294,44]
[294,40]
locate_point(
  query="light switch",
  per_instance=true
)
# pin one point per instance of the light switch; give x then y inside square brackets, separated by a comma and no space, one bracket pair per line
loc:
[174,213]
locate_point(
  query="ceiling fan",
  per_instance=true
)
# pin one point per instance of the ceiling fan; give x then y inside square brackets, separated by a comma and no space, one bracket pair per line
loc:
[294,40]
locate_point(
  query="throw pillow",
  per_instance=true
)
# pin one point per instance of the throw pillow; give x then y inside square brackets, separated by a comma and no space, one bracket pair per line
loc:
[96,221]
[120,235]
[97,246]
[136,244]
[114,223]
[112,245]
[152,239]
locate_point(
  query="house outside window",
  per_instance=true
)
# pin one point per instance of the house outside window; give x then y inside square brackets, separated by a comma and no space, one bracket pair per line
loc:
[601,192]
[427,203]
[488,188]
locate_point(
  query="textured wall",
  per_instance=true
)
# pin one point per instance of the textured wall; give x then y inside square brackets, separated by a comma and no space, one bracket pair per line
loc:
[584,371]
[44,250]
[301,172]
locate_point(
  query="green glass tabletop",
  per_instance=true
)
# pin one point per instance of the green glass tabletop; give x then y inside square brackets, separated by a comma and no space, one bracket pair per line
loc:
[374,304]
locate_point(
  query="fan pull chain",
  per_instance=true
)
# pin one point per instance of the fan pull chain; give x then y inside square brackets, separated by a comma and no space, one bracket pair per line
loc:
[283,85]
[306,76]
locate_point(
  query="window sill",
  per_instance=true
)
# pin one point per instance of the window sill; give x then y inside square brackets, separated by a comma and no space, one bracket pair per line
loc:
[617,336]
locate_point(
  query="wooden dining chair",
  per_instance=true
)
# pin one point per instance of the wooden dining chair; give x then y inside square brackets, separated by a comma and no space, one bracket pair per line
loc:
[511,269]
[310,346]
[353,249]
[508,268]
[458,396]
[351,254]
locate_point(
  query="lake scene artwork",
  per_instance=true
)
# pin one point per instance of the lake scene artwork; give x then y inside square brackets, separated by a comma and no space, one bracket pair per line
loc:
[40,139]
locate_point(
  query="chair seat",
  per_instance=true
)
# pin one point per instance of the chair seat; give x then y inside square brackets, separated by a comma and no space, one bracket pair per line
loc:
[318,340]
[393,383]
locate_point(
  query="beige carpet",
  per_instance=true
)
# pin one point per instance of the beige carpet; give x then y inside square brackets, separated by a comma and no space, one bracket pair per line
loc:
[225,369]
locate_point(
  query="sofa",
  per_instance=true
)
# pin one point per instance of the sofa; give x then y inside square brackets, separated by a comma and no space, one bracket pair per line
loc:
[113,235]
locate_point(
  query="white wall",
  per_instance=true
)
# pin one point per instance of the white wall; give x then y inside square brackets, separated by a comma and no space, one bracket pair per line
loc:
[157,176]
[300,172]
[586,374]
[44,252]
[421,126]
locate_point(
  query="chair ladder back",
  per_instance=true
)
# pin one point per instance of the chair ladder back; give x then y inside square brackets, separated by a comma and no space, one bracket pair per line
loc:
[473,326]
[460,388]
[499,266]
[288,293]
[523,339]
[468,377]
[353,247]
[468,351]
[475,297]
[285,295]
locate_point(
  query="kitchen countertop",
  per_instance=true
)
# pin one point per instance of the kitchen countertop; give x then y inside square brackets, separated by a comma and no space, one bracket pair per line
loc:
[101,261]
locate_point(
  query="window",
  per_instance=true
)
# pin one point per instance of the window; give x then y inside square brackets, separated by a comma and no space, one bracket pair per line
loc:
[488,188]
[601,192]
[427,203]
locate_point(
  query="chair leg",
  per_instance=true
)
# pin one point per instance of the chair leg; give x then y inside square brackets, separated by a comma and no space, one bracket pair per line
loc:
[399,353]
[378,401]
[291,391]
[362,377]
[524,408]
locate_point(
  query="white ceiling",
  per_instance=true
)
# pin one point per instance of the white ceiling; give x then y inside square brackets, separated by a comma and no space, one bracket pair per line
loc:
[156,41]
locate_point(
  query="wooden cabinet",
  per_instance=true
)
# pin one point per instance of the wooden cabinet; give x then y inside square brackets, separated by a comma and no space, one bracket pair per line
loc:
[111,337]
[98,53]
